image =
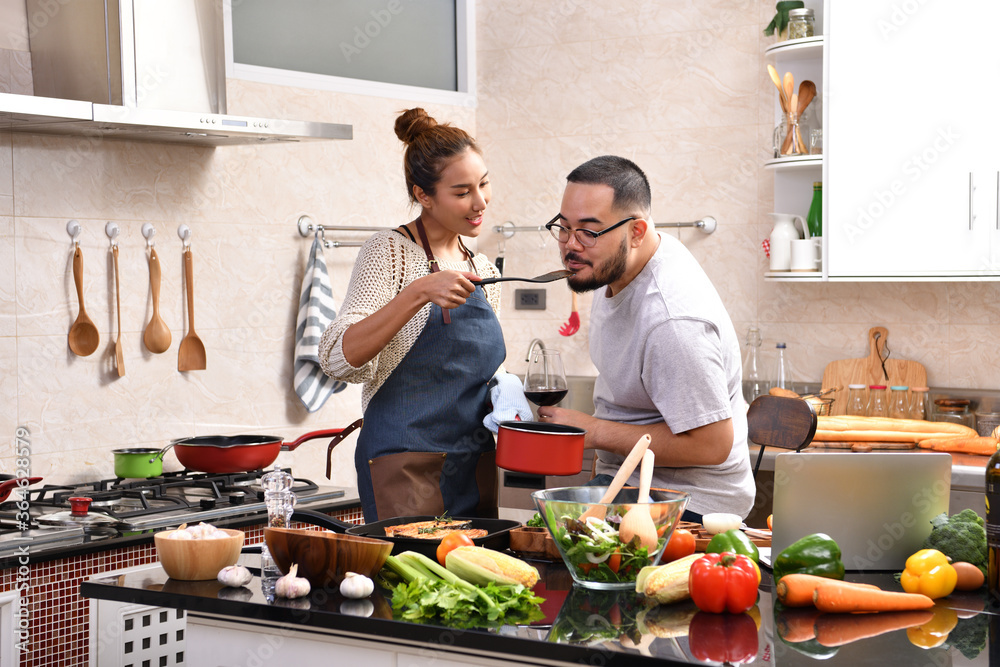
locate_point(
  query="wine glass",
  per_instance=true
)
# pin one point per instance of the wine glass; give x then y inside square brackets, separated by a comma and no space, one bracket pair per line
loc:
[545,380]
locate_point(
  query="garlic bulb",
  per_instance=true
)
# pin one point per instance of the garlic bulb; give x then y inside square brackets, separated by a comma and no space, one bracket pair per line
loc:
[235,576]
[358,608]
[356,586]
[291,586]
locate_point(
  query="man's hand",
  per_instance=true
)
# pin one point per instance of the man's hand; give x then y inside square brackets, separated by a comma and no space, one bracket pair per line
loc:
[567,417]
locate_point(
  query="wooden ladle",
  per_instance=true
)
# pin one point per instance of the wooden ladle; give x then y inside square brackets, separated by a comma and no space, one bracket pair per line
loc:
[191,355]
[627,466]
[83,335]
[156,338]
[638,522]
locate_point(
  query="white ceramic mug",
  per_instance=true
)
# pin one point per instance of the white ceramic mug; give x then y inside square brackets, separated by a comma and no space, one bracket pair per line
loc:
[803,255]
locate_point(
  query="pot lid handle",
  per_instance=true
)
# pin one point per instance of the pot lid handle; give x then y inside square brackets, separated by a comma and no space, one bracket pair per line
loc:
[79,506]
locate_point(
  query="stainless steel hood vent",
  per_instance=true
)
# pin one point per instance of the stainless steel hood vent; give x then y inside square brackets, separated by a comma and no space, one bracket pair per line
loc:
[140,70]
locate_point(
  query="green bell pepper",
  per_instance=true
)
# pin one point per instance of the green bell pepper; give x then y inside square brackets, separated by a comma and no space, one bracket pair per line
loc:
[735,541]
[814,554]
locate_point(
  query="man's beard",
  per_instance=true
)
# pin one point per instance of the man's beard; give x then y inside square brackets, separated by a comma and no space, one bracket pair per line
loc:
[610,271]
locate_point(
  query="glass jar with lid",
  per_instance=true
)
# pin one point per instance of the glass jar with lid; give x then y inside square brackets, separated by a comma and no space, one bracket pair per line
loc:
[918,402]
[857,402]
[899,402]
[801,23]
[877,406]
[955,410]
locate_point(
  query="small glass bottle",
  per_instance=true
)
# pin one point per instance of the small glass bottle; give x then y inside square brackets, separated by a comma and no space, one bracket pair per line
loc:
[918,402]
[876,401]
[755,381]
[801,23]
[857,404]
[782,374]
[899,402]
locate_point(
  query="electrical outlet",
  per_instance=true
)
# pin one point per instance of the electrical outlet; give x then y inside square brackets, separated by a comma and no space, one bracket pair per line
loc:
[529,299]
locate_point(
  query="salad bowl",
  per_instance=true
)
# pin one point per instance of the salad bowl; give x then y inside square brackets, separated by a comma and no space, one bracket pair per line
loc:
[591,548]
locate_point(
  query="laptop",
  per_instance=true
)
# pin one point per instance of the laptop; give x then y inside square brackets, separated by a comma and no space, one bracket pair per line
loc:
[877,506]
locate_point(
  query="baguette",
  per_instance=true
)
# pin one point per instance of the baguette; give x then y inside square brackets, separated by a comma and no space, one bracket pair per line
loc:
[844,423]
[879,436]
[981,445]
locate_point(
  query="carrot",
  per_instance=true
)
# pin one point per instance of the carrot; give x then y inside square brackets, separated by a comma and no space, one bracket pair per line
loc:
[982,445]
[839,596]
[796,590]
[839,629]
[797,625]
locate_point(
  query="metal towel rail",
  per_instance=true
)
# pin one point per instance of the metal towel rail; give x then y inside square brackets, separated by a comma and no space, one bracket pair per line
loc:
[307,226]
[706,224]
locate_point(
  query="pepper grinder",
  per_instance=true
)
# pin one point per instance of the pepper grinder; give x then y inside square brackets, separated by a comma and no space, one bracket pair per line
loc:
[280,501]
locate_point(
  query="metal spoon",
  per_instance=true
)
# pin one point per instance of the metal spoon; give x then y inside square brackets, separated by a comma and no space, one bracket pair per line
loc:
[83,335]
[544,278]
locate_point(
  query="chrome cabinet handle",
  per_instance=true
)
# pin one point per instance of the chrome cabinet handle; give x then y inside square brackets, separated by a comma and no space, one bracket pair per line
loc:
[972,188]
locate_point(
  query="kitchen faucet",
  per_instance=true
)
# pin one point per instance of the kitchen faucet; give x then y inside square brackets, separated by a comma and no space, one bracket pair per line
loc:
[535,343]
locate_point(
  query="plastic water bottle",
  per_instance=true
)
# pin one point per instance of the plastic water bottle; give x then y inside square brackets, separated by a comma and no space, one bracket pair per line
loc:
[755,381]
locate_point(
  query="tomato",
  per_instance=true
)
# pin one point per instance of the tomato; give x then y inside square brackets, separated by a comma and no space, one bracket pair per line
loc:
[769,521]
[680,544]
[615,562]
[451,542]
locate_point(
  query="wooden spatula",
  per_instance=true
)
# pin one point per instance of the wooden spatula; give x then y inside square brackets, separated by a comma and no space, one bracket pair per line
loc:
[191,355]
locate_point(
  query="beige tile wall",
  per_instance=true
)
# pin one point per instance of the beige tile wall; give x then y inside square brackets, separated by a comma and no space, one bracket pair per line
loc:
[678,86]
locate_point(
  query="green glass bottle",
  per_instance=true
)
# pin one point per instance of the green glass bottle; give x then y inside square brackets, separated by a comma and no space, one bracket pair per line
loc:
[814,220]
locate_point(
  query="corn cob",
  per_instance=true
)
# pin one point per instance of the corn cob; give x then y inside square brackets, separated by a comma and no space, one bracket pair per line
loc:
[480,565]
[667,583]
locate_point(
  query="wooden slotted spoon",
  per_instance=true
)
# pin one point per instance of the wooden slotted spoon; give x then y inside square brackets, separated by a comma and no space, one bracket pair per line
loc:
[638,522]
[628,465]
[83,335]
[119,346]
[191,355]
[156,337]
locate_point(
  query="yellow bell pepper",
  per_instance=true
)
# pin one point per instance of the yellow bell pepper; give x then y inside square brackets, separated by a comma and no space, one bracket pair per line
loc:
[929,572]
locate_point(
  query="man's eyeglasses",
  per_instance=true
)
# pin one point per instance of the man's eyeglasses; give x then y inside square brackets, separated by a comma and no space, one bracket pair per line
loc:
[584,237]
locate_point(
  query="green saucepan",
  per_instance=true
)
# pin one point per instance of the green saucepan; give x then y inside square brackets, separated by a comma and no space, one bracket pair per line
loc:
[138,462]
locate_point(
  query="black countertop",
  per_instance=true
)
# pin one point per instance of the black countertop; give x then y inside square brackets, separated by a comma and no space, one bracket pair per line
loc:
[580,626]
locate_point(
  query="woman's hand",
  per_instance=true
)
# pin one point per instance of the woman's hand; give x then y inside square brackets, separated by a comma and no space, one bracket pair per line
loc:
[447,289]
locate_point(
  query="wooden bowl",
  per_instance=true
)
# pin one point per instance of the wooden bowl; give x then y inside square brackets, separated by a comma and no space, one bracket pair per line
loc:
[325,558]
[197,560]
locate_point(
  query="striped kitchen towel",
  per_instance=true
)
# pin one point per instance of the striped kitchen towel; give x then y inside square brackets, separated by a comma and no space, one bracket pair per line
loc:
[316,311]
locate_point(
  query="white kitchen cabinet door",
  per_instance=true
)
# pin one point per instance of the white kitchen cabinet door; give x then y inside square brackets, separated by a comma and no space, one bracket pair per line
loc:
[912,142]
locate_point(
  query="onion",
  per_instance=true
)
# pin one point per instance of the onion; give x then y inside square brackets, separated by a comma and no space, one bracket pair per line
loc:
[720,522]
[597,559]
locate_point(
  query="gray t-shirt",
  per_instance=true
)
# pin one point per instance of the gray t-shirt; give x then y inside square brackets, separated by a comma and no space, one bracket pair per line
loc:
[666,351]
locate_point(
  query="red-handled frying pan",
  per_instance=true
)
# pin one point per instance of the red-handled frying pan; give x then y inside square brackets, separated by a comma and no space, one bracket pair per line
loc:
[10,483]
[243,453]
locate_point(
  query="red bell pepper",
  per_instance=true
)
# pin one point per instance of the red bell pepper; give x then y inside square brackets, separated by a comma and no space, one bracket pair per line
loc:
[728,638]
[723,582]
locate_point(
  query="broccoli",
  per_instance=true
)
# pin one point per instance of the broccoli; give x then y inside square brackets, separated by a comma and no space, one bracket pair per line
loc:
[961,537]
[970,635]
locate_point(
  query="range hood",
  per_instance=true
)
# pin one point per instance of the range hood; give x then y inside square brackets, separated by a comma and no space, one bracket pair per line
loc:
[141,70]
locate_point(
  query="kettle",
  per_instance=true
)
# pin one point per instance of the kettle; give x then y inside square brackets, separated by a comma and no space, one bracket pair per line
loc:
[782,234]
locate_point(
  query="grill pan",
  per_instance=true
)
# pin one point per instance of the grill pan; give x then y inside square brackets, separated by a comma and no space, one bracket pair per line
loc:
[496,538]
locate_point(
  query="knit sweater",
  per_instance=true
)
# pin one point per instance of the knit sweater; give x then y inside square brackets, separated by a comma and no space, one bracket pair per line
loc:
[387,263]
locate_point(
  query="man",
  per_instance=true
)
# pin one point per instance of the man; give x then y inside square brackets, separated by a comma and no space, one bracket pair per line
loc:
[666,351]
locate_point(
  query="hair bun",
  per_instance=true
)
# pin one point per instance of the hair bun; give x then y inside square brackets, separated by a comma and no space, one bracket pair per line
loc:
[413,122]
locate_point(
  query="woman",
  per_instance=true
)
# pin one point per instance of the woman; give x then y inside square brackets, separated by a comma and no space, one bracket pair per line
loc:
[424,339]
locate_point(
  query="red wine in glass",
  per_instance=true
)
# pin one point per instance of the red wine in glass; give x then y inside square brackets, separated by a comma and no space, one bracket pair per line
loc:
[546,396]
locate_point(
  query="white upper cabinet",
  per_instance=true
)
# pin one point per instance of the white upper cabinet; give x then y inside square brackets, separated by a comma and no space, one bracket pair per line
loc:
[912,142]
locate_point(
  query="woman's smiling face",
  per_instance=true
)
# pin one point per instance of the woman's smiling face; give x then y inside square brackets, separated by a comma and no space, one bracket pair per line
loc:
[461,195]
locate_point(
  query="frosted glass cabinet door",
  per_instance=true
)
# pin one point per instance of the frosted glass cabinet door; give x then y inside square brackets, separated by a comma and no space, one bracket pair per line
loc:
[912,133]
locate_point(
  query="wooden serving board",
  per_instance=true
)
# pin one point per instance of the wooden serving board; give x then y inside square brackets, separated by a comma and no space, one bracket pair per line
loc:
[532,542]
[868,371]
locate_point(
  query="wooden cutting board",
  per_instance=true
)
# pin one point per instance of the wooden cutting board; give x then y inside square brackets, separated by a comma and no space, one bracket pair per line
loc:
[869,370]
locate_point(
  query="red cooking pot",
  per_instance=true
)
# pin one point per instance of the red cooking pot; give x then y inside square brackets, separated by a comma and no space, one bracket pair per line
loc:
[540,448]
[243,453]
